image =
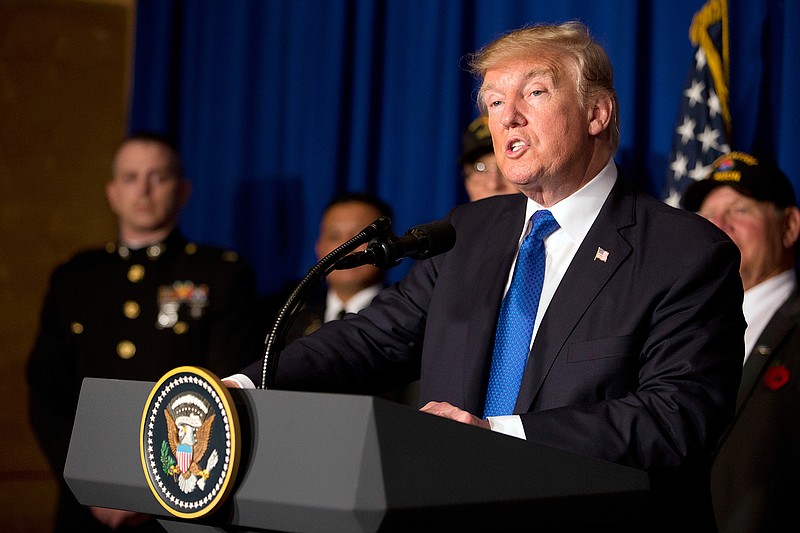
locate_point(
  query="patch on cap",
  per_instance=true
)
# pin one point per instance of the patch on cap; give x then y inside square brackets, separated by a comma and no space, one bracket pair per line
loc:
[748,176]
[728,167]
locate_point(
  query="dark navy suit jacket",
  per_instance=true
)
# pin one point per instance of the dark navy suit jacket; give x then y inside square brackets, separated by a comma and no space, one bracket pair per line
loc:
[637,359]
[755,479]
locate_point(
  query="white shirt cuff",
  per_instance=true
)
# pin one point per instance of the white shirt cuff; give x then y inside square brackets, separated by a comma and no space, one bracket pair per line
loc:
[243,381]
[508,425]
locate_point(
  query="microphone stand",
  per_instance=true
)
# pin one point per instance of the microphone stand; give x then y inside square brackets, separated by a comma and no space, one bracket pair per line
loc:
[276,339]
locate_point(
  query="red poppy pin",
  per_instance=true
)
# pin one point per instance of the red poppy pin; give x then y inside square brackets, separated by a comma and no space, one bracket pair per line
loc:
[776,377]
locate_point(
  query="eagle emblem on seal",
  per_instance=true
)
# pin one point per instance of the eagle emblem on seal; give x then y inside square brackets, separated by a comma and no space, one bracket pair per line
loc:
[189,426]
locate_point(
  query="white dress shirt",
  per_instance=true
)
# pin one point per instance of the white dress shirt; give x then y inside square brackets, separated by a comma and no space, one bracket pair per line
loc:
[761,302]
[575,215]
[361,299]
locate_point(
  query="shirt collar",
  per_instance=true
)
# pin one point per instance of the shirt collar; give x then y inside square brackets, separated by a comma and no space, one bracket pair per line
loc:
[767,293]
[355,304]
[576,213]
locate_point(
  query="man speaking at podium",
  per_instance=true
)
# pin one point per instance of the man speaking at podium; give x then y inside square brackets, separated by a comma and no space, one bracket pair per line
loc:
[613,331]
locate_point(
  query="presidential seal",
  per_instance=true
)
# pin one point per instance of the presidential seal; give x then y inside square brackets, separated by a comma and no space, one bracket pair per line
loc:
[189,442]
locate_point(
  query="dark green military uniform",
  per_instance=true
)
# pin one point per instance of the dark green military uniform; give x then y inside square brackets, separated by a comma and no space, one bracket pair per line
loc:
[135,314]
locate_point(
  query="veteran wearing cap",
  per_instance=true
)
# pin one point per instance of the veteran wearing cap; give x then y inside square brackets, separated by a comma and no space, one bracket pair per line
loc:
[756,472]
[135,309]
[482,177]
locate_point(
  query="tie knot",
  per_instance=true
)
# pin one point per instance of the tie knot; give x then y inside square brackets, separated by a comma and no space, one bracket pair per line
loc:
[543,224]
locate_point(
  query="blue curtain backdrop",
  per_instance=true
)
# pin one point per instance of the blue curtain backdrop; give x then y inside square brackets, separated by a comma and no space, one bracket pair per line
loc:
[277,105]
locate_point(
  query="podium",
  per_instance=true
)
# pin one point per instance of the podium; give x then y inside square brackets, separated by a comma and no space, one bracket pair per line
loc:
[335,462]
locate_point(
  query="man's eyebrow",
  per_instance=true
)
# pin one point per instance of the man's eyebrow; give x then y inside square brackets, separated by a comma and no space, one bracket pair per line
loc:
[539,72]
[536,72]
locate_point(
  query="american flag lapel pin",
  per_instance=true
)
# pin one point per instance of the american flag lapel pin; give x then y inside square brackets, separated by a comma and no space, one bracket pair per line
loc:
[601,254]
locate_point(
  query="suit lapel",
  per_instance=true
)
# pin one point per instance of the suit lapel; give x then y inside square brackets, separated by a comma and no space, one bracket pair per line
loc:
[779,326]
[582,283]
[501,247]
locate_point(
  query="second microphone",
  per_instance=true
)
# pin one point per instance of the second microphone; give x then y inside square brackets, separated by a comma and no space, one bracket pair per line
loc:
[420,242]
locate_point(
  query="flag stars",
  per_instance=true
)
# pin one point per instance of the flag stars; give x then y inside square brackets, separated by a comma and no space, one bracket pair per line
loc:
[700,59]
[678,166]
[700,172]
[714,107]
[709,138]
[695,92]
[686,130]
[700,134]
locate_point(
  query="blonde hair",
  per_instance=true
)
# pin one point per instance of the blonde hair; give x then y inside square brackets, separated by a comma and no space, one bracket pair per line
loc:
[570,40]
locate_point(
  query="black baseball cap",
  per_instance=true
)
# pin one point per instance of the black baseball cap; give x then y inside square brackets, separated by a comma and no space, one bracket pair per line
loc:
[476,141]
[745,174]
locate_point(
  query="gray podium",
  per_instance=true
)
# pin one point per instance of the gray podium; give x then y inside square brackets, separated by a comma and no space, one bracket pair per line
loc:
[331,462]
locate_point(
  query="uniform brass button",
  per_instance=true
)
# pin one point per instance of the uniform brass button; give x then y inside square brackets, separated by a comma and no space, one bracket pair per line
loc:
[111,247]
[126,349]
[76,327]
[190,248]
[124,252]
[180,327]
[131,309]
[136,273]
[153,251]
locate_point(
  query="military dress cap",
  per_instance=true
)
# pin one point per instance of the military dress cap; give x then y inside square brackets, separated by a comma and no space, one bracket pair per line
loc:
[476,141]
[745,174]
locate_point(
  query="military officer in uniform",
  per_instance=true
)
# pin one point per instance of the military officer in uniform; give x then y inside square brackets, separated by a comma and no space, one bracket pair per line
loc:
[135,309]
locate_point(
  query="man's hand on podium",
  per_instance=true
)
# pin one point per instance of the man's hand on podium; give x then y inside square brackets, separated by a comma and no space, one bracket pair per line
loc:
[231,384]
[443,409]
[446,410]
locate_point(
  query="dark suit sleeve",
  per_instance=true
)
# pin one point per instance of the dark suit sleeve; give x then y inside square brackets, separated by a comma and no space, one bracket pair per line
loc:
[689,369]
[368,353]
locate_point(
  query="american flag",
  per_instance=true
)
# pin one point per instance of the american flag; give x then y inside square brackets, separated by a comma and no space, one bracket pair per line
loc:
[702,127]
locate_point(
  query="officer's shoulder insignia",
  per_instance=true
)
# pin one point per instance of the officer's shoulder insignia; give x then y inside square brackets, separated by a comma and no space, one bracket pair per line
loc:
[189,442]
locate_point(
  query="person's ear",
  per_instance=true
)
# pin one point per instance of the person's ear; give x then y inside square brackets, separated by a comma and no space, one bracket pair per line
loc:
[600,111]
[791,226]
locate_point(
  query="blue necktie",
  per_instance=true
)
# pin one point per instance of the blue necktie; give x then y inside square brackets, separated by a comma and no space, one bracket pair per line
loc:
[517,314]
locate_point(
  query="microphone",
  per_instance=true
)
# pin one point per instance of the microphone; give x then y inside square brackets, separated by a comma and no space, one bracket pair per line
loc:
[420,242]
[379,228]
